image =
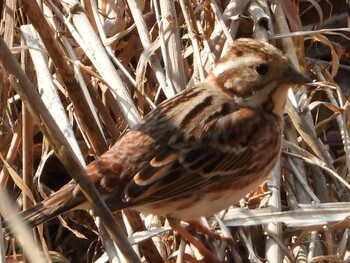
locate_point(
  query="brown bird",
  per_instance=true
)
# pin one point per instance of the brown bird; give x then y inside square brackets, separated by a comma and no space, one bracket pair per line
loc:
[200,151]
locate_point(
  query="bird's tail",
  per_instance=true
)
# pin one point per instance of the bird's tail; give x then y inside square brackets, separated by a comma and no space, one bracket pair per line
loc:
[61,201]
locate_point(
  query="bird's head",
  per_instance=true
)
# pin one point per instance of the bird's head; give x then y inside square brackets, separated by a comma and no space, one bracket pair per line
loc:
[256,74]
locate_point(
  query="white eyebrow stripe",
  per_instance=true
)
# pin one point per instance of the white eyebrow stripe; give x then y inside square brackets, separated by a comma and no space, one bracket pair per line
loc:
[230,64]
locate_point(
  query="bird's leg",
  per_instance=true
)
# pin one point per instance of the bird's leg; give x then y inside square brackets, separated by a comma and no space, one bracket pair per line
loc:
[197,225]
[208,255]
[203,229]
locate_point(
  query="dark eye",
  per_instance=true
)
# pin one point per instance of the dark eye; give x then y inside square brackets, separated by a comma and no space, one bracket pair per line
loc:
[262,69]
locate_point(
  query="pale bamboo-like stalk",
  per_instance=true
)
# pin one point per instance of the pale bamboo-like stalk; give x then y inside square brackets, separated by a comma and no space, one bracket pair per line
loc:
[47,89]
[191,29]
[171,47]
[146,42]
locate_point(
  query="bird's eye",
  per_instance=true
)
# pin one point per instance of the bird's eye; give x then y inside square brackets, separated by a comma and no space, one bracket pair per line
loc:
[262,69]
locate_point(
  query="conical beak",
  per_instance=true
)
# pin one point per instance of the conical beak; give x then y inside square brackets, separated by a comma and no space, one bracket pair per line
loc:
[293,76]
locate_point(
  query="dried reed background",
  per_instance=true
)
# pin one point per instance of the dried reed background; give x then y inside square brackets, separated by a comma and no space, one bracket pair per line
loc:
[100,67]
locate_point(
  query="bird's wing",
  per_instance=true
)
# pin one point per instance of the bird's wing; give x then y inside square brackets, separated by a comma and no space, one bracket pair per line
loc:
[188,163]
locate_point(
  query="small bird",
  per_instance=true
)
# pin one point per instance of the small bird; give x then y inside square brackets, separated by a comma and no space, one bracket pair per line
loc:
[198,152]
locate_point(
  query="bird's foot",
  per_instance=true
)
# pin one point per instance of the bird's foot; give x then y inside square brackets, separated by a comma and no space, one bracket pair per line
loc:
[210,232]
[208,256]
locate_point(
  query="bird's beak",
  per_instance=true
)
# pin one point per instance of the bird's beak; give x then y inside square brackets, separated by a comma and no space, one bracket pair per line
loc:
[293,76]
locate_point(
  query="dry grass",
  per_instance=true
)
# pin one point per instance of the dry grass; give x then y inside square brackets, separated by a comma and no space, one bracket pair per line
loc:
[99,69]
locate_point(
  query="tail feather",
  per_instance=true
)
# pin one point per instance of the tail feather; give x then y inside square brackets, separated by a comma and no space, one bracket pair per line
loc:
[60,202]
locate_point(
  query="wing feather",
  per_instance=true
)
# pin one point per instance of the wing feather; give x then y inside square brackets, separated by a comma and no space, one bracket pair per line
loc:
[177,171]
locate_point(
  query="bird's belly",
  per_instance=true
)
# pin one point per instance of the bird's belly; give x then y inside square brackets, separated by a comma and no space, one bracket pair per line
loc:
[200,203]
